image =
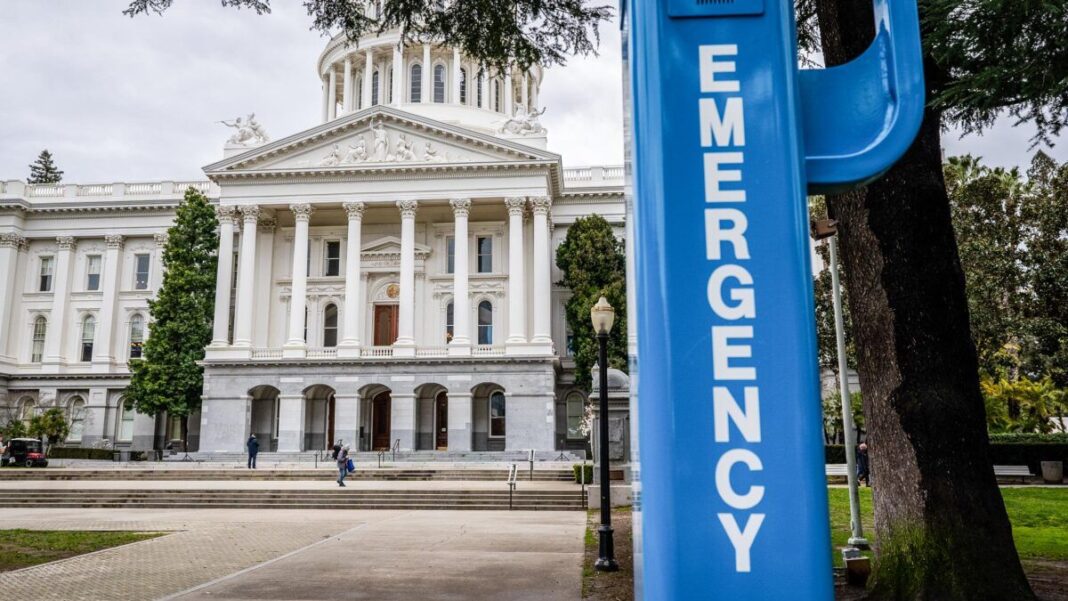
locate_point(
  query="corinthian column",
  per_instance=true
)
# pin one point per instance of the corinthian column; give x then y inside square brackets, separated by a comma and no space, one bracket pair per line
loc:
[350,345]
[405,344]
[517,316]
[542,278]
[347,91]
[246,283]
[224,275]
[461,303]
[368,71]
[332,92]
[11,243]
[57,322]
[296,346]
[102,355]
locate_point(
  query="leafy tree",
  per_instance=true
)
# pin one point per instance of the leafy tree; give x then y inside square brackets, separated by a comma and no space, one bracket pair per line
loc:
[14,429]
[917,362]
[168,378]
[520,32]
[833,431]
[1024,406]
[44,170]
[593,263]
[51,424]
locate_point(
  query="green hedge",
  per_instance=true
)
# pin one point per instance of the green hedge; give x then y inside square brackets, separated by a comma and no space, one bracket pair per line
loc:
[1001,453]
[589,472]
[1059,438]
[95,454]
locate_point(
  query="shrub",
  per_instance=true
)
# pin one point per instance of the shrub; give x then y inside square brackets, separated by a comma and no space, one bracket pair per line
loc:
[81,453]
[1018,438]
[587,468]
[1001,453]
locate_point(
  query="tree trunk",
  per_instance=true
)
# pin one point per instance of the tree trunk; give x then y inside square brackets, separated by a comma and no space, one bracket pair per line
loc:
[942,532]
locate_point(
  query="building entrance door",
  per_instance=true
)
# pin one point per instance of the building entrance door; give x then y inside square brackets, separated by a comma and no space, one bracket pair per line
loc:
[385,325]
[441,415]
[330,406]
[380,418]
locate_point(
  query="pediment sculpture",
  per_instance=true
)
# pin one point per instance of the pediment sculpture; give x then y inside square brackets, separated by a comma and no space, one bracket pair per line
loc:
[523,123]
[249,132]
[384,147]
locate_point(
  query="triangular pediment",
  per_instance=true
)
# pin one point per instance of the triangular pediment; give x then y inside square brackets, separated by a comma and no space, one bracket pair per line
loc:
[390,245]
[378,137]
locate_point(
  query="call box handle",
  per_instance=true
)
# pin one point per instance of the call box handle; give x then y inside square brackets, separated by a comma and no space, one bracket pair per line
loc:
[860,117]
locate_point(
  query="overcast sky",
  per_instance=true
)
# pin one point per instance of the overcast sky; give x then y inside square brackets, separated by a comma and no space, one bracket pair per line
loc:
[117,99]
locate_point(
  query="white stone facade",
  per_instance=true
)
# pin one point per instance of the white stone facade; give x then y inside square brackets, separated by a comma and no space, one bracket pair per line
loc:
[416,227]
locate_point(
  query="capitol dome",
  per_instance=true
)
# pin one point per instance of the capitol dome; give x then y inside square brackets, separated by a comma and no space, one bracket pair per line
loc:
[431,80]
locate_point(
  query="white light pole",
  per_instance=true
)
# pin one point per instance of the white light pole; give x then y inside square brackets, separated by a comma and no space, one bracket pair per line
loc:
[828,229]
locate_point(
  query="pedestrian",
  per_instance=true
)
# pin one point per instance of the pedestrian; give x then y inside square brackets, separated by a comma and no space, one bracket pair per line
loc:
[342,465]
[863,464]
[253,448]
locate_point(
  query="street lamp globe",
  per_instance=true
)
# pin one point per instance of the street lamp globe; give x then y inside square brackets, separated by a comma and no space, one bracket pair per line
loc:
[603,316]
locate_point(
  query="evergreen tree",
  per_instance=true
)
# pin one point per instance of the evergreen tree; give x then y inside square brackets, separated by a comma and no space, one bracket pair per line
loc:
[593,262]
[44,171]
[168,379]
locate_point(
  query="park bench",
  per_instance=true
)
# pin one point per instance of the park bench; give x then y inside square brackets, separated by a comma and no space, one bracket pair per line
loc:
[1012,473]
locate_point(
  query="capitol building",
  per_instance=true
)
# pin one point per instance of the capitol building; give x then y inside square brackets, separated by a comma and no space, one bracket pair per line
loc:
[386,278]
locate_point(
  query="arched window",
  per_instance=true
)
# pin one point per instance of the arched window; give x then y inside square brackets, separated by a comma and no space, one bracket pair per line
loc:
[576,411]
[450,317]
[76,414]
[415,83]
[463,86]
[497,417]
[439,83]
[485,322]
[40,326]
[498,101]
[137,336]
[374,88]
[27,411]
[330,326]
[88,333]
[478,88]
[126,423]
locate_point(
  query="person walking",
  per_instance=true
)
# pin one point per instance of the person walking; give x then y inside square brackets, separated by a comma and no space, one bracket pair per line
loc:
[863,464]
[253,448]
[342,465]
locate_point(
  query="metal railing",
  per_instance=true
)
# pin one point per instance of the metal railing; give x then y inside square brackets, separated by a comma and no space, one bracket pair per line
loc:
[512,476]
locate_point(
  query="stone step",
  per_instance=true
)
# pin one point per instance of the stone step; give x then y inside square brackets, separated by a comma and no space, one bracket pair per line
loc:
[262,474]
[392,505]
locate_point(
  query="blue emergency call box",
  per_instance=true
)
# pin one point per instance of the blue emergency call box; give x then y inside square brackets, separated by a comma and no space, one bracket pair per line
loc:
[726,138]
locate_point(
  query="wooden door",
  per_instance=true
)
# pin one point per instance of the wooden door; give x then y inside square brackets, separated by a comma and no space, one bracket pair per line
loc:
[380,418]
[442,421]
[330,406]
[385,324]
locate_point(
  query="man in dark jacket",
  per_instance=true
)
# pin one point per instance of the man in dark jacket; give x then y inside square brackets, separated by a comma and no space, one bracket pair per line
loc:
[863,464]
[253,448]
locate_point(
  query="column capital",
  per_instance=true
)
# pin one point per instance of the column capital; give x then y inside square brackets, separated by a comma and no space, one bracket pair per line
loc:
[161,239]
[225,214]
[461,207]
[114,241]
[540,205]
[302,212]
[267,224]
[66,242]
[250,213]
[12,240]
[516,205]
[354,210]
[408,208]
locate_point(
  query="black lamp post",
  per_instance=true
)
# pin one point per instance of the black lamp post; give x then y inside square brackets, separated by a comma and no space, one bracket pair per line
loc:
[603,316]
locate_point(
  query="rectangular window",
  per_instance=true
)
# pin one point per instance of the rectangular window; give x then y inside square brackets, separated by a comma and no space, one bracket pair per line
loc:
[570,345]
[450,254]
[126,424]
[174,427]
[92,272]
[333,258]
[48,266]
[497,418]
[575,409]
[141,264]
[484,246]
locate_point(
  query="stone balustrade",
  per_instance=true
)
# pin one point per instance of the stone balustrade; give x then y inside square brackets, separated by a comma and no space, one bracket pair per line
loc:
[164,190]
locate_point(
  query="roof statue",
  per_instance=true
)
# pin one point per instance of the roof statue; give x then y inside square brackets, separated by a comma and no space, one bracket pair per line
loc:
[523,123]
[249,132]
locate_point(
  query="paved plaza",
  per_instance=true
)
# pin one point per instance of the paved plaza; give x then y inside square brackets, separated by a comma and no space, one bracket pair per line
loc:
[309,554]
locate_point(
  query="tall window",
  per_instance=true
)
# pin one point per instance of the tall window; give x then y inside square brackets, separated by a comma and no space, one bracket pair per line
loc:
[141,264]
[450,254]
[415,83]
[485,323]
[88,333]
[439,83]
[450,317]
[76,414]
[478,88]
[497,414]
[137,336]
[174,427]
[374,88]
[126,423]
[497,100]
[40,325]
[576,409]
[463,86]
[484,248]
[48,266]
[333,258]
[29,408]
[92,272]
[330,326]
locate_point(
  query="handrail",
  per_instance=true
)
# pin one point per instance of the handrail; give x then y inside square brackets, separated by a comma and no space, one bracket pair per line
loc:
[396,447]
[513,473]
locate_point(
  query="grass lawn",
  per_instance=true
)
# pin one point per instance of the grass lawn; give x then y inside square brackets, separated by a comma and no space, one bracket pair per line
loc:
[1039,519]
[24,548]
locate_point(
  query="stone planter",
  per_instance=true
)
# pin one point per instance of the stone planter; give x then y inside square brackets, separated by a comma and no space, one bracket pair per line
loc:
[1053,472]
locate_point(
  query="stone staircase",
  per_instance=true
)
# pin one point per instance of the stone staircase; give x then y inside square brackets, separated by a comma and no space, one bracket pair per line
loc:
[350,498]
[323,473]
